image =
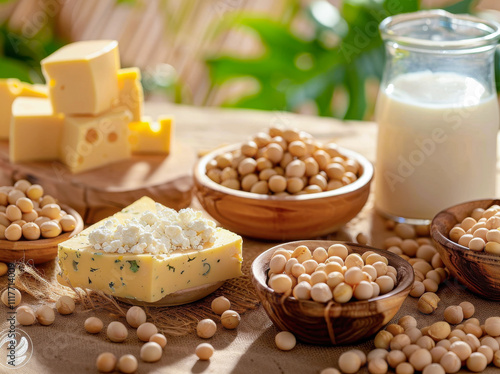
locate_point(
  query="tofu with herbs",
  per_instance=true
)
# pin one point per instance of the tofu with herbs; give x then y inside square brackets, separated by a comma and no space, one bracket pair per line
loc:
[148,251]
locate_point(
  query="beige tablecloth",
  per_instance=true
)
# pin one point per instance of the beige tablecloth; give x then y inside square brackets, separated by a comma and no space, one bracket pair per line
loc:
[65,347]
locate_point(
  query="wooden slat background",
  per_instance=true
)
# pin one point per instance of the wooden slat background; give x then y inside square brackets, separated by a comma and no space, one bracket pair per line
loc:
[179,34]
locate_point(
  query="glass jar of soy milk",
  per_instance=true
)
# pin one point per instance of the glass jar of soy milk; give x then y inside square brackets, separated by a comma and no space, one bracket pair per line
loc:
[437,113]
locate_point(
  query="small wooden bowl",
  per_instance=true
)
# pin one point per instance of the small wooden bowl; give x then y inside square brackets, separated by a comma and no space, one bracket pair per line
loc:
[282,218]
[334,323]
[41,250]
[478,271]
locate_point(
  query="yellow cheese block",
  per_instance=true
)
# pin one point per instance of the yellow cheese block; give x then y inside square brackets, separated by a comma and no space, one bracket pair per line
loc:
[147,136]
[34,90]
[148,277]
[10,89]
[82,77]
[35,132]
[131,93]
[90,142]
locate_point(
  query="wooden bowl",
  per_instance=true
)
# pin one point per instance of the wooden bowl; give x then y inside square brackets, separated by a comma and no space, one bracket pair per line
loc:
[334,323]
[478,271]
[282,218]
[41,250]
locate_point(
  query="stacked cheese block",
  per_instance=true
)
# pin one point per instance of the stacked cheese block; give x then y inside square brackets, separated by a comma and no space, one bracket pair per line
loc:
[10,89]
[92,115]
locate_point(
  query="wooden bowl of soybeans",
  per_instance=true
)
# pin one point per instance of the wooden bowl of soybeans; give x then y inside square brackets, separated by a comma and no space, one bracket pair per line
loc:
[40,250]
[330,322]
[32,224]
[282,216]
[467,240]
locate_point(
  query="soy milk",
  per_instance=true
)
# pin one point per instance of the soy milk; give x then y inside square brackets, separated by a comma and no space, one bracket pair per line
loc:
[436,144]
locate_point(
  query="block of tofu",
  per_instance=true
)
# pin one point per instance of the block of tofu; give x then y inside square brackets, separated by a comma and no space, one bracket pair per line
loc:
[82,77]
[89,142]
[35,132]
[148,277]
[147,136]
[10,89]
[131,94]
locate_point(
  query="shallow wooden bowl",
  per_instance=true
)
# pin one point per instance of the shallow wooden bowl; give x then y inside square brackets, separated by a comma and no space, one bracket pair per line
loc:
[333,323]
[282,218]
[478,271]
[38,251]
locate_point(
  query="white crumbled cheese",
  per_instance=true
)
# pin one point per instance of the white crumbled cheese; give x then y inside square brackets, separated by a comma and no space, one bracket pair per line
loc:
[159,232]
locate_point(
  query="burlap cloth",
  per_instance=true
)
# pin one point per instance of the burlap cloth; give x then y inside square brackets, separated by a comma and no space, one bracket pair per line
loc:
[66,348]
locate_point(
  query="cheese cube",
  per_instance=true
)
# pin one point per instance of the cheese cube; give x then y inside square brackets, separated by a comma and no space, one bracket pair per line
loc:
[147,277]
[151,137]
[82,77]
[89,142]
[34,90]
[131,93]
[35,132]
[10,89]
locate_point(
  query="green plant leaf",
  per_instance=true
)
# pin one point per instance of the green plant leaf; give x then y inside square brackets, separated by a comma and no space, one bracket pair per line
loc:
[358,13]
[275,35]
[10,68]
[267,99]
[320,86]
[463,6]
[225,68]
[282,50]
[363,18]
[355,84]
[393,7]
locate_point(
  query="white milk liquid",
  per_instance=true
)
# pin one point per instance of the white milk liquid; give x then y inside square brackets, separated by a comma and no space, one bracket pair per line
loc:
[436,144]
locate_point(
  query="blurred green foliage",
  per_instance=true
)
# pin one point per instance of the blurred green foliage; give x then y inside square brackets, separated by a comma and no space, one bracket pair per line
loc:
[343,54]
[22,50]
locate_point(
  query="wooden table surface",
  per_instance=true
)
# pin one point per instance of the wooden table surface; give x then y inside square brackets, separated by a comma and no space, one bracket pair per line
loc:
[251,347]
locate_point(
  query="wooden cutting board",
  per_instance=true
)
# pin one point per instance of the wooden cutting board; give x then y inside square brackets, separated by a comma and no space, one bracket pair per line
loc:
[98,193]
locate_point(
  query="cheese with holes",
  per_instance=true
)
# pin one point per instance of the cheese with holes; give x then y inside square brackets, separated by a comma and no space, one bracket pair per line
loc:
[89,142]
[147,277]
[147,136]
[82,77]
[35,132]
[131,94]
[10,89]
